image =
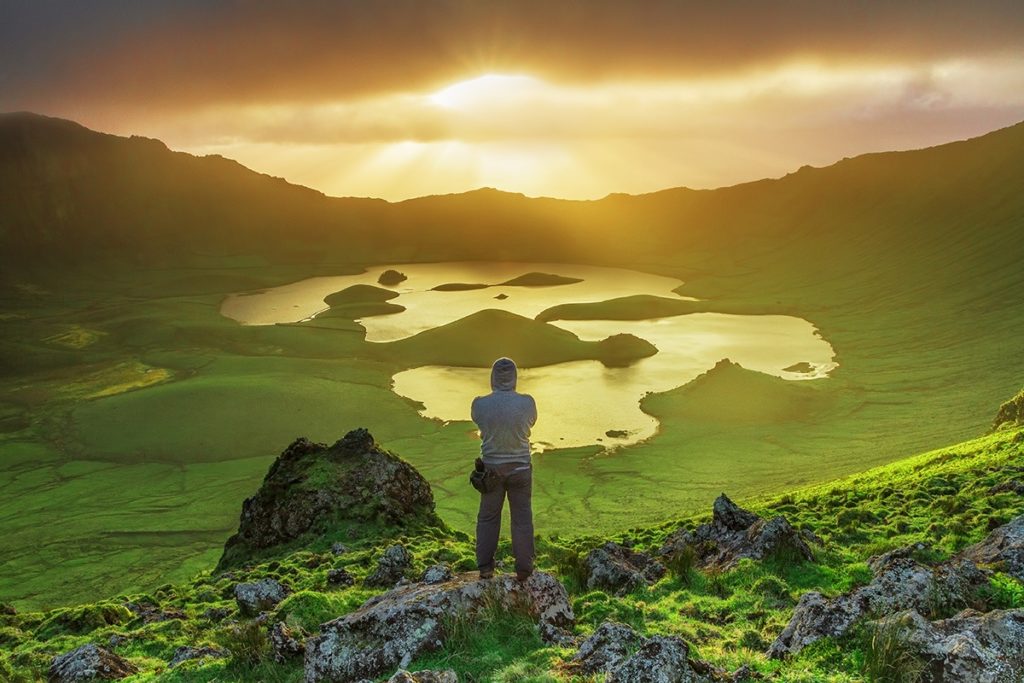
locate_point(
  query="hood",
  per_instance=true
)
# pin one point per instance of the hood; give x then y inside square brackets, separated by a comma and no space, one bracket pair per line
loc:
[503,375]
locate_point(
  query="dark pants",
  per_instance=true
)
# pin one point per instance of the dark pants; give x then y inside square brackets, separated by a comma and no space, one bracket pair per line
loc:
[514,479]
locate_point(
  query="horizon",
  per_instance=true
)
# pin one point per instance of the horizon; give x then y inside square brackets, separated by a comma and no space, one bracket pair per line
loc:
[577,101]
[483,188]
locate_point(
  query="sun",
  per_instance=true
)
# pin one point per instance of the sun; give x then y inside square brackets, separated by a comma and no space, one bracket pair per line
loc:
[485,88]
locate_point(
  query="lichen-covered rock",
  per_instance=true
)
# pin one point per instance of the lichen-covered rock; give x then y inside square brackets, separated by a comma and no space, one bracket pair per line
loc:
[311,489]
[662,659]
[339,578]
[285,643]
[438,573]
[187,652]
[734,534]
[1011,413]
[1003,548]
[609,645]
[618,569]
[339,548]
[900,583]
[976,647]
[391,567]
[389,630]
[628,657]
[403,676]
[259,596]
[89,662]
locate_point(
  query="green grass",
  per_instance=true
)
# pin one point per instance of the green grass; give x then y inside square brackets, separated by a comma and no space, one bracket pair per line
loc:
[729,618]
[154,501]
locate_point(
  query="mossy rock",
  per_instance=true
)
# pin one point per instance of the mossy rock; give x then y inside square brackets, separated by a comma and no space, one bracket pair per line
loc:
[313,491]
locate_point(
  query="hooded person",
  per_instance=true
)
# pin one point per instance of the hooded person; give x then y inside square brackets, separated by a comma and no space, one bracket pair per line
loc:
[505,418]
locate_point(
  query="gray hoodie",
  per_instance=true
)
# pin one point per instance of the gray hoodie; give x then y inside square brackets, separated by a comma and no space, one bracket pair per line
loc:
[504,417]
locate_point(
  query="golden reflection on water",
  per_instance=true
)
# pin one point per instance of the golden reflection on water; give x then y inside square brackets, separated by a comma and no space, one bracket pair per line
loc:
[579,401]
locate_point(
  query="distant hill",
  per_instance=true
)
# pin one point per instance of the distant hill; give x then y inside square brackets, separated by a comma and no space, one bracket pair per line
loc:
[67,191]
[730,395]
[477,339]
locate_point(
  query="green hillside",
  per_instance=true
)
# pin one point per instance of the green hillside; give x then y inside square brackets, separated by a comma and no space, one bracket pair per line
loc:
[115,254]
[936,503]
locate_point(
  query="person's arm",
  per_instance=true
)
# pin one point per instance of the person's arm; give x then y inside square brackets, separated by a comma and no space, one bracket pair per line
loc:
[533,411]
[472,411]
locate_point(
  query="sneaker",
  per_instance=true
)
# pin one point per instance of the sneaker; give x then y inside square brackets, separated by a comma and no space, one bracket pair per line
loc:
[486,573]
[523,576]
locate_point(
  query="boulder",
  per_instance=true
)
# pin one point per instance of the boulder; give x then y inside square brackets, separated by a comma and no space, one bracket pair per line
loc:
[89,662]
[1003,548]
[312,489]
[259,596]
[734,534]
[403,676]
[391,567]
[982,648]
[617,569]
[662,659]
[339,578]
[625,656]
[285,642]
[390,629]
[899,583]
[610,645]
[187,652]
[438,573]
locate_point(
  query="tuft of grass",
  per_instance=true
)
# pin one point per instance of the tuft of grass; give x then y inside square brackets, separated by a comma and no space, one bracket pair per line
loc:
[246,641]
[888,657]
[481,643]
[682,564]
[1003,592]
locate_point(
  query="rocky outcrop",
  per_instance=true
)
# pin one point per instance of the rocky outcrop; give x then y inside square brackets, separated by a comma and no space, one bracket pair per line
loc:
[628,657]
[389,630]
[89,662]
[620,570]
[285,643]
[1002,549]
[1010,414]
[734,534]
[187,652]
[391,567]
[899,583]
[313,489]
[259,596]
[984,648]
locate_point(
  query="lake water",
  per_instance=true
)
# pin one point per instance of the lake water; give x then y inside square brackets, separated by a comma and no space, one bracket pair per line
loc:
[579,401]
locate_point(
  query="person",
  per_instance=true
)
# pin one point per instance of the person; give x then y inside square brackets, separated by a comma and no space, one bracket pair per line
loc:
[504,418]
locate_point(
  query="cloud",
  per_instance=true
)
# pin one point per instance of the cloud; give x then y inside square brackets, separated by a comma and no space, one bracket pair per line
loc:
[167,55]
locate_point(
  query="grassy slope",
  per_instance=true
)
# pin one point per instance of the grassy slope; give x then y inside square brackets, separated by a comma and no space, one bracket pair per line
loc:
[940,498]
[908,263]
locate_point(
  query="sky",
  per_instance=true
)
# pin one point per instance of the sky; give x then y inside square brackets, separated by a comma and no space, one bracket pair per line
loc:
[403,98]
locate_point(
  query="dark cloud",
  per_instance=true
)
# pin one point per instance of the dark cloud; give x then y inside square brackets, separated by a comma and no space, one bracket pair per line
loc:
[68,56]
